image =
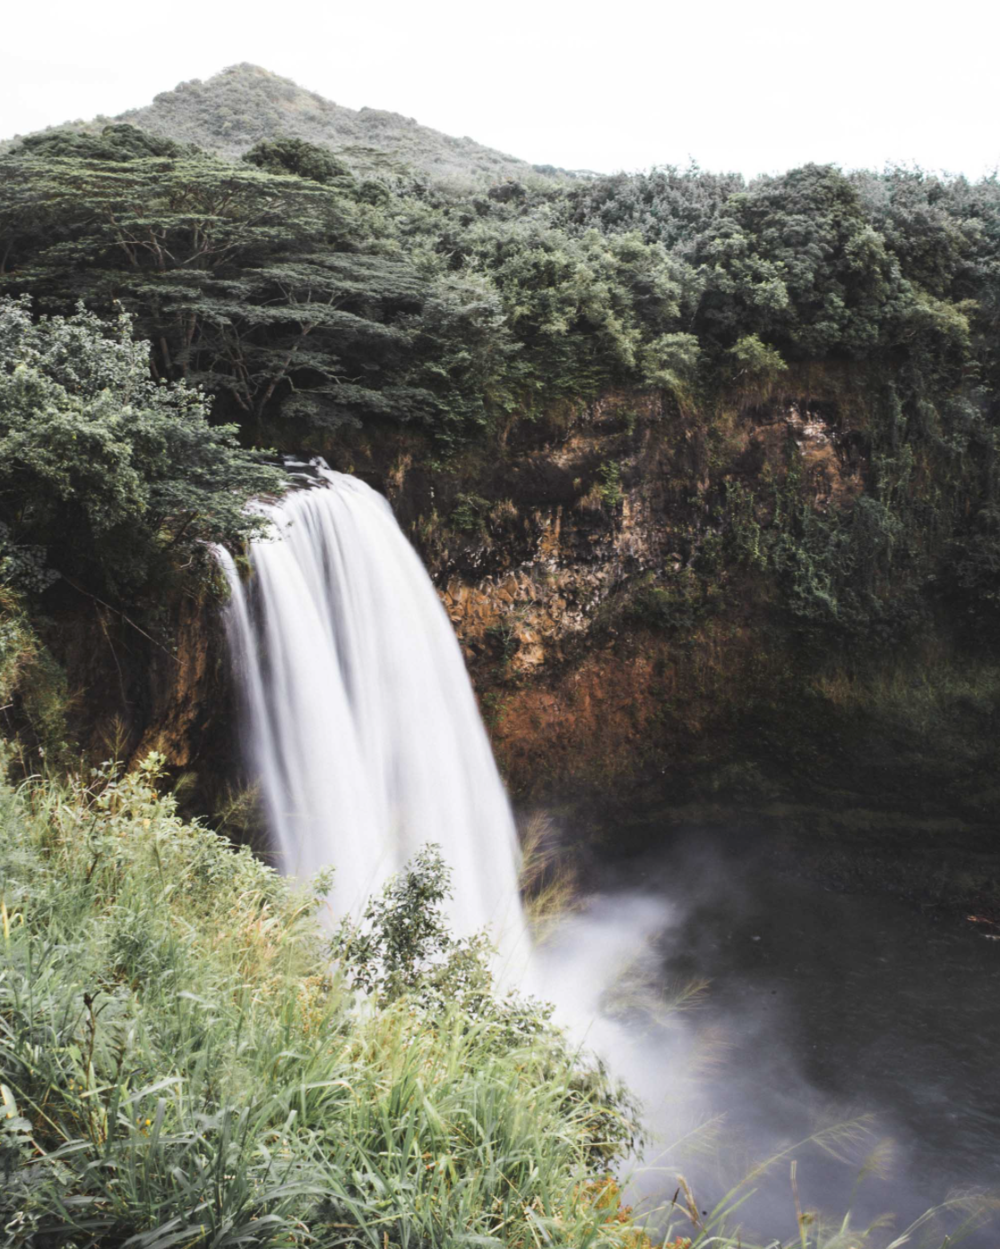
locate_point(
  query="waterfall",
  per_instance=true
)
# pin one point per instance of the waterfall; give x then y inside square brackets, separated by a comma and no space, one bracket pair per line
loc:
[360,722]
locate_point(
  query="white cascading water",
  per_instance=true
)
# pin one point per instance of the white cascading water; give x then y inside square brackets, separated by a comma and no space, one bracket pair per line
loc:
[363,731]
[362,727]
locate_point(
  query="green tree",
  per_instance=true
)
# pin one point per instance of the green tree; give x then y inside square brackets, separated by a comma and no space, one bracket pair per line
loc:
[104,472]
[296,156]
[254,284]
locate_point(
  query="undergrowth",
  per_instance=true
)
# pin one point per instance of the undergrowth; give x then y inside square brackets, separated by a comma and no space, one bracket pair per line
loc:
[188,1057]
[183,1063]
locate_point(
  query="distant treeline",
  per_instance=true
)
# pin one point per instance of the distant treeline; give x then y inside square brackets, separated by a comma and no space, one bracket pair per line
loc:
[288,286]
[291,289]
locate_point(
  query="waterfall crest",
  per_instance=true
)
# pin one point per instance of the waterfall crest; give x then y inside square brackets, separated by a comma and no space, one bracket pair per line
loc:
[361,724]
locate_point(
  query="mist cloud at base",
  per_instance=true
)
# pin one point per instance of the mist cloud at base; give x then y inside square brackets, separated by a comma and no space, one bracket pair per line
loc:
[730,1073]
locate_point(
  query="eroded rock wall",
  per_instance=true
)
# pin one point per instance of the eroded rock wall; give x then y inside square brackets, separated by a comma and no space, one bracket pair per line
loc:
[610,643]
[540,544]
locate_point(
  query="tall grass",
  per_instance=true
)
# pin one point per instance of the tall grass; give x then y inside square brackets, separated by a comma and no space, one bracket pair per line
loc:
[181,1066]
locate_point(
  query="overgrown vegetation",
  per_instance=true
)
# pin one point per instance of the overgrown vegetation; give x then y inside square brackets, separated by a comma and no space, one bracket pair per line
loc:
[104,472]
[188,1056]
[182,1061]
[303,296]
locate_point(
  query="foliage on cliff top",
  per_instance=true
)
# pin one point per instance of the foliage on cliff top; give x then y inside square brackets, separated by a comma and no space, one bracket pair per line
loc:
[305,298]
[295,291]
[104,472]
[651,280]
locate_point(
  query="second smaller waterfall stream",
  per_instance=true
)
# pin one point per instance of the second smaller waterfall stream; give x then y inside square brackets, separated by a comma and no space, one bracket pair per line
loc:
[361,722]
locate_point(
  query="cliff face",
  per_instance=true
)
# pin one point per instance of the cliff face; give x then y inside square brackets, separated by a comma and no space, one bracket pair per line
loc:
[616,648]
[616,645]
[129,690]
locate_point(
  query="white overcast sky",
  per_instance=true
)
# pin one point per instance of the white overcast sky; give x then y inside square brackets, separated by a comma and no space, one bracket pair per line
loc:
[750,85]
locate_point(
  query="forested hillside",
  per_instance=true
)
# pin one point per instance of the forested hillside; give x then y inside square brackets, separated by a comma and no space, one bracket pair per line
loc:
[303,298]
[705,473]
[244,104]
[456,339]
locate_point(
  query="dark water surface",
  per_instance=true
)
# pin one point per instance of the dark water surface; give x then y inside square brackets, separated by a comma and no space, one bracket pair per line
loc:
[825,1006]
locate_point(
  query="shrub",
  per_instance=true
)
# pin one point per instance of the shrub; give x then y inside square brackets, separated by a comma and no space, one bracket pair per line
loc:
[180,1062]
[609,475]
[103,469]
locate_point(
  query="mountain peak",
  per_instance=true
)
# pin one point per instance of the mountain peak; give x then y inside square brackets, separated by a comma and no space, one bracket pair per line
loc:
[245,103]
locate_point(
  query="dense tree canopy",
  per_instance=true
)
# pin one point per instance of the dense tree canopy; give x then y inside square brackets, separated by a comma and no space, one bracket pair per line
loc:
[296,156]
[294,292]
[104,471]
[289,287]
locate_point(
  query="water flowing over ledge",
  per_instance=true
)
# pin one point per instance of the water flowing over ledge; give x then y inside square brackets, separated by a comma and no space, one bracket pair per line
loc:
[360,721]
